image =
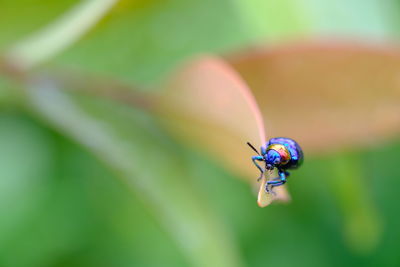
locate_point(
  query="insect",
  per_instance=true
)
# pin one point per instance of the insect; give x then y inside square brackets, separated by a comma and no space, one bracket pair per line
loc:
[281,153]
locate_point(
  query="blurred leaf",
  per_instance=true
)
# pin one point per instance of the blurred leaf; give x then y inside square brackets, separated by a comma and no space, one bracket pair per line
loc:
[343,19]
[24,158]
[61,207]
[44,217]
[126,143]
[282,20]
[274,20]
[22,17]
[363,226]
[141,40]
[208,105]
[58,35]
[219,108]
[327,96]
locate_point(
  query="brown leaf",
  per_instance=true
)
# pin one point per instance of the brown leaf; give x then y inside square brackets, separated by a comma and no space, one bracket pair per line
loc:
[207,104]
[326,96]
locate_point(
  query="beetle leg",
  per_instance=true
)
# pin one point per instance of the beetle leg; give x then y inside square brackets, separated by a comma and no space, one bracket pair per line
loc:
[281,180]
[259,158]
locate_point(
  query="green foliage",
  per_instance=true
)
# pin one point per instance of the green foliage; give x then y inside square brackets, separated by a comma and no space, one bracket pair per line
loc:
[86,181]
[142,40]
[23,17]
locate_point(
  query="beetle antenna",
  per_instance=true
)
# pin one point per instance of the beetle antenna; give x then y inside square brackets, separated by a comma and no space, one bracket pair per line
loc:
[252,147]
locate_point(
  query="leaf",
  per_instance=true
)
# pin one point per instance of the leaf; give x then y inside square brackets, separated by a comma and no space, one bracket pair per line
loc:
[209,106]
[327,96]
[341,18]
[362,219]
[140,41]
[330,97]
[275,20]
[134,150]
[19,18]
[25,155]
[266,198]
[59,35]
[38,202]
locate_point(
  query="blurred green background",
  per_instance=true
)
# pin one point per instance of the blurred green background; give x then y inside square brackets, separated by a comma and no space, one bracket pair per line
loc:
[89,182]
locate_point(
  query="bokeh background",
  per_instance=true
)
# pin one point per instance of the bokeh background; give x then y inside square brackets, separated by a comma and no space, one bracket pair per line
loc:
[91,174]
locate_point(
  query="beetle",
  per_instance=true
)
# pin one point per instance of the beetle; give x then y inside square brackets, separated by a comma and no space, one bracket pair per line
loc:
[281,153]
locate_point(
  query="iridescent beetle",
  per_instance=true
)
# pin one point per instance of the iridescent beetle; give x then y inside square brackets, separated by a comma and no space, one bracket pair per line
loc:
[281,153]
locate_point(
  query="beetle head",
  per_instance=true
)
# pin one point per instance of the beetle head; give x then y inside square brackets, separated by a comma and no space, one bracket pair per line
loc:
[272,158]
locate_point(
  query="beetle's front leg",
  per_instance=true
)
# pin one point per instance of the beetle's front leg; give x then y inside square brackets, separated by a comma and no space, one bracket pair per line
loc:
[281,180]
[259,158]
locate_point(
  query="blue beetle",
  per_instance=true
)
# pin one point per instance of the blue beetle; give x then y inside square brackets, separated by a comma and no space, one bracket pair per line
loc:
[281,153]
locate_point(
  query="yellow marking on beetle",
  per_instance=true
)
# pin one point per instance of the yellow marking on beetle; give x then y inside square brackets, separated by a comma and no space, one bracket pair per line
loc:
[283,152]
